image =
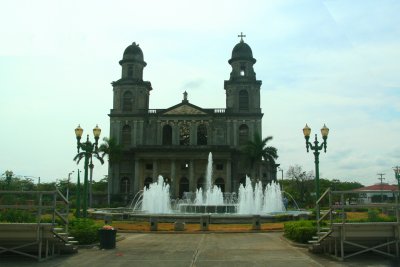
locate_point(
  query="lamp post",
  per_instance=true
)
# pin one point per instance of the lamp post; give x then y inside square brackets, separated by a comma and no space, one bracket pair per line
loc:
[88,148]
[316,148]
[78,195]
[69,177]
[397,176]
[281,170]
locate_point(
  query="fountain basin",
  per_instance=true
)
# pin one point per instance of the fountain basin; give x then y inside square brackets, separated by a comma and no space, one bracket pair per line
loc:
[215,218]
[205,209]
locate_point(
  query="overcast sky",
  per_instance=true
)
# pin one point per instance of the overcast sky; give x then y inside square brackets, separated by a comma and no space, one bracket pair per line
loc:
[334,62]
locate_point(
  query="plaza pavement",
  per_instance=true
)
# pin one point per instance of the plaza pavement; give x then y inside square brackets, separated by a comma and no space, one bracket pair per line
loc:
[202,249]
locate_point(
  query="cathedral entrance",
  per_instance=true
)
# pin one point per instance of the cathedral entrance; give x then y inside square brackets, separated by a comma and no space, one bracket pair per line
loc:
[183,186]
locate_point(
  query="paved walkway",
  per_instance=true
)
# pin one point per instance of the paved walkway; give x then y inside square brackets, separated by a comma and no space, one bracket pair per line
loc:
[210,249]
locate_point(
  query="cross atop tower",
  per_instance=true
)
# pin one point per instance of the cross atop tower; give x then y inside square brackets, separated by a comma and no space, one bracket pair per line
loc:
[241,35]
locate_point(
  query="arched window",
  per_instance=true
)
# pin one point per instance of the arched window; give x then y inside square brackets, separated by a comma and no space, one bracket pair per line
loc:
[167,135]
[201,183]
[130,70]
[147,182]
[220,183]
[127,101]
[242,70]
[201,135]
[243,134]
[126,135]
[184,135]
[183,186]
[124,185]
[243,100]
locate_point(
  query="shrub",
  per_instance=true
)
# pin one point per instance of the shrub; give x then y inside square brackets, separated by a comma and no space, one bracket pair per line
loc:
[84,231]
[373,215]
[300,231]
[17,216]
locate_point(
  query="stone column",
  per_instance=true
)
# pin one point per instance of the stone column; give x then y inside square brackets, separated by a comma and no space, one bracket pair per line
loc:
[235,133]
[192,182]
[155,170]
[228,181]
[134,133]
[136,179]
[175,133]
[174,180]
[140,133]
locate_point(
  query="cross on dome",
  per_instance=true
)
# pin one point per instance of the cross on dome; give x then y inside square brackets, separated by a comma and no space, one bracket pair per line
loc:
[241,35]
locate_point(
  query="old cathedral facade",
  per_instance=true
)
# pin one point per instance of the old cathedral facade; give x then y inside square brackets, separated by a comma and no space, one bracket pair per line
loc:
[175,142]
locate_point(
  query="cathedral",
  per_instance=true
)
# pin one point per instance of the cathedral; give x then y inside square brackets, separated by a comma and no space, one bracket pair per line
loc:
[175,142]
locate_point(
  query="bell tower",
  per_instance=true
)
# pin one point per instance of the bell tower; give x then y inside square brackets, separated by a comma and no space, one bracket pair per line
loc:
[131,93]
[242,88]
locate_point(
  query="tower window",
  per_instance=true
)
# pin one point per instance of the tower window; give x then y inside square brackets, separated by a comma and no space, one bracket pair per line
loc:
[242,70]
[126,135]
[130,71]
[243,134]
[243,100]
[127,101]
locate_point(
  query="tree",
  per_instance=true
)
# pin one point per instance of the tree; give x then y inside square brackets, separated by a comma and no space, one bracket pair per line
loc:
[301,185]
[256,150]
[113,151]
[8,175]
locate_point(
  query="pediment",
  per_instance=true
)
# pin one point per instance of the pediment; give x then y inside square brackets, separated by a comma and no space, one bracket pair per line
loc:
[185,109]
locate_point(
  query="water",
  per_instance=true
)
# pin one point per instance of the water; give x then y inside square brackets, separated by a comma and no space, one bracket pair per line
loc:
[251,199]
[212,194]
[156,198]
[255,200]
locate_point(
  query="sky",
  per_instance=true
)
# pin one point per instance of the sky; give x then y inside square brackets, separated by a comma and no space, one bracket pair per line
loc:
[335,62]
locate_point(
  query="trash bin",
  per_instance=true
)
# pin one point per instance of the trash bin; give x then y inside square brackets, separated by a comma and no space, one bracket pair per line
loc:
[107,238]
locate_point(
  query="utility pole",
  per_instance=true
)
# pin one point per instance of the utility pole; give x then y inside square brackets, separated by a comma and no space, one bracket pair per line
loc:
[381,179]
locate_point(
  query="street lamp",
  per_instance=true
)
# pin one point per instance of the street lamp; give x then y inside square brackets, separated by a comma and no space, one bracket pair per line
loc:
[316,148]
[281,170]
[397,176]
[69,177]
[88,148]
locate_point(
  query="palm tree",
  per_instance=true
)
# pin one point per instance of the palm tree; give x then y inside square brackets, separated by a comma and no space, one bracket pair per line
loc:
[256,150]
[78,158]
[113,151]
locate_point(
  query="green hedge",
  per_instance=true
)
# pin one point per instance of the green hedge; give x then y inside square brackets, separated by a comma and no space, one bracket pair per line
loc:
[84,231]
[16,216]
[300,231]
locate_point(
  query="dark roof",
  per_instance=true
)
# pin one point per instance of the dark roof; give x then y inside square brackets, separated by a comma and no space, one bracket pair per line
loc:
[242,51]
[133,53]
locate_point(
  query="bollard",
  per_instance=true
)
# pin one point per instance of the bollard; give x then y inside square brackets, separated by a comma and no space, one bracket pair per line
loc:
[204,222]
[179,226]
[108,219]
[256,222]
[153,223]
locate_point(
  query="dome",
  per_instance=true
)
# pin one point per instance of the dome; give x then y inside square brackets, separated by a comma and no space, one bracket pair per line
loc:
[133,53]
[242,51]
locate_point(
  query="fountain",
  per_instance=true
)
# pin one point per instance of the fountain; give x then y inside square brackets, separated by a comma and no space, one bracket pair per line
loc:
[251,200]
[156,198]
